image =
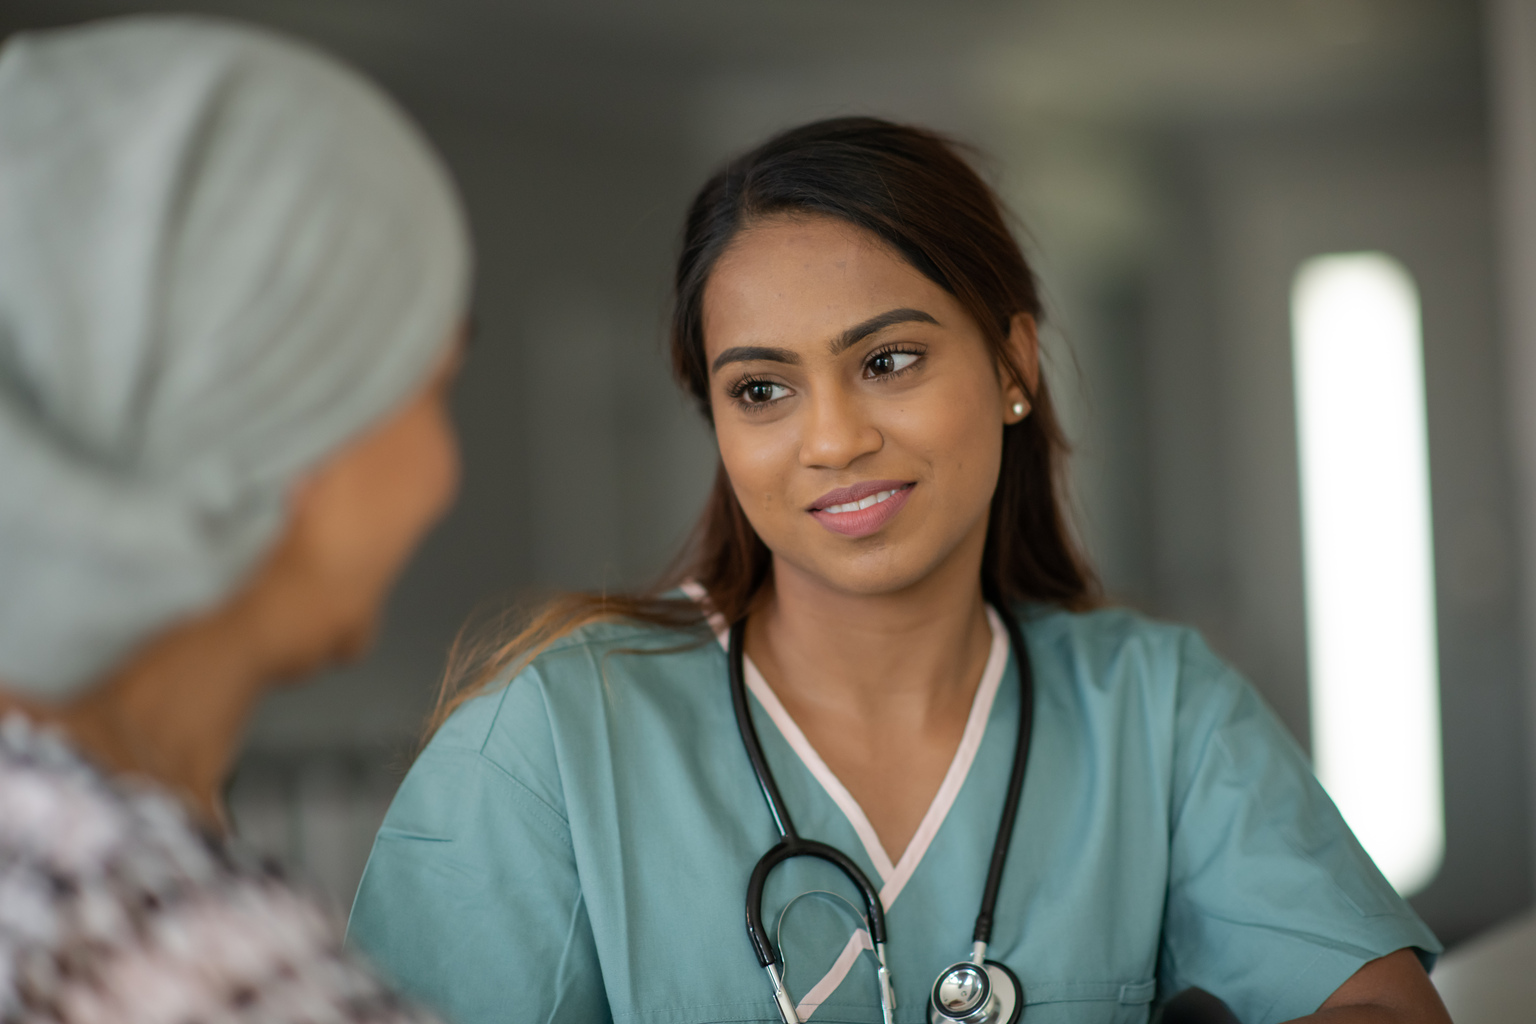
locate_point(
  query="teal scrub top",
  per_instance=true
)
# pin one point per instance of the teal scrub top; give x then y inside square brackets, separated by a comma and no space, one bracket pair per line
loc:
[575,846]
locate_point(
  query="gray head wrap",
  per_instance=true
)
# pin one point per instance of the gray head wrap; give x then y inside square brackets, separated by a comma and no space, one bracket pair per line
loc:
[222,255]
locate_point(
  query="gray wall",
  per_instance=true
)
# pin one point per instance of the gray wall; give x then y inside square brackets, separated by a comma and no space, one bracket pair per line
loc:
[1172,164]
[1226,526]
[1511,35]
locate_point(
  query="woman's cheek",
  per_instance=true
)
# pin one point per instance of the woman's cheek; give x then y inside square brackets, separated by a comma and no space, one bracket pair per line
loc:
[761,468]
[961,437]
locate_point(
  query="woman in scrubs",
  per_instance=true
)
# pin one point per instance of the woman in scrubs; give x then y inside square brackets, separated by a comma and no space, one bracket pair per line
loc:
[576,840]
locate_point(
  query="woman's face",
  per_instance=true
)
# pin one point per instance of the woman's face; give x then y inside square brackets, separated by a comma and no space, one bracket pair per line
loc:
[858,409]
[359,516]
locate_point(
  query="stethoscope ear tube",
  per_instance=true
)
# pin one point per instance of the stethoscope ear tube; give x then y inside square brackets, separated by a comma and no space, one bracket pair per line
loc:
[744,724]
[1022,661]
[787,850]
[790,844]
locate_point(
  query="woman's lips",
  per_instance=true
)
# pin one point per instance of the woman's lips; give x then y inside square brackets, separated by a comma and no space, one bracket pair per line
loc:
[860,510]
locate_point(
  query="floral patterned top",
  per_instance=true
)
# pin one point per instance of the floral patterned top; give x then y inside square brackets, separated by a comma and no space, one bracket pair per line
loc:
[115,907]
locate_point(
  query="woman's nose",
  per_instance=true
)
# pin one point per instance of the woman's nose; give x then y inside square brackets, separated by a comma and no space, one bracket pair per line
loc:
[838,431]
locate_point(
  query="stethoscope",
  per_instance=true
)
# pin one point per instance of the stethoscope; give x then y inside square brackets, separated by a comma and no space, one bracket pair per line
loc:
[974,991]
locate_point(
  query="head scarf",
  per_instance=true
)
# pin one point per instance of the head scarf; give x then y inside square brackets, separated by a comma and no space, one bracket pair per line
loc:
[222,255]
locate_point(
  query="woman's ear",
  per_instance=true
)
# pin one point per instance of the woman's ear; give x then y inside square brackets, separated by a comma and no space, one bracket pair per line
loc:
[1023,352]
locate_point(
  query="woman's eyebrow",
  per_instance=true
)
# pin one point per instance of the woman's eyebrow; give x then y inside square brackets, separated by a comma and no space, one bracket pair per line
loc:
[852,336]
[749,353]
[858,332]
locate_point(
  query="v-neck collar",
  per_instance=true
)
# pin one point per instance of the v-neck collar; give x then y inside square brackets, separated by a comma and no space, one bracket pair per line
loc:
[893,875]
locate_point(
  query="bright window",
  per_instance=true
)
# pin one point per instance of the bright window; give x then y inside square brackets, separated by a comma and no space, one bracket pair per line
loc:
[1369,562]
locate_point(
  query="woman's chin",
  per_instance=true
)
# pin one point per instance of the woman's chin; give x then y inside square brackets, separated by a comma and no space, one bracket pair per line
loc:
[876,574]
[342,645]
[353,643]
[888,564]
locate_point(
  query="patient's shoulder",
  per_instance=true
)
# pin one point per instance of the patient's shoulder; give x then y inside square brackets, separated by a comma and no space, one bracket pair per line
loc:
[109,883]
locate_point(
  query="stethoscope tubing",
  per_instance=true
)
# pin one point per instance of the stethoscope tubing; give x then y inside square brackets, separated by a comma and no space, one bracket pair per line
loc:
[1021,658]
[791,844]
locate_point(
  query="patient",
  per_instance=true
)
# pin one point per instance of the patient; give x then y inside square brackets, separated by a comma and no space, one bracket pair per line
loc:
[232,279]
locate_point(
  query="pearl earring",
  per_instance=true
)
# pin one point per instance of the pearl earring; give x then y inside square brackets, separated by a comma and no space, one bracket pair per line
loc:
[1018,408]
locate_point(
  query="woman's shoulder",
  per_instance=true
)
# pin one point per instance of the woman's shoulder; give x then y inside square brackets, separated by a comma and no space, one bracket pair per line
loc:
[111,887]
[622,635]
[581,663]
[1106,634]
[577,683]
[1118,648]
[59,813]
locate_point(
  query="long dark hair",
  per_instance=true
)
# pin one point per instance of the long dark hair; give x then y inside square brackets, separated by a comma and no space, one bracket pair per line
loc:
[912,189]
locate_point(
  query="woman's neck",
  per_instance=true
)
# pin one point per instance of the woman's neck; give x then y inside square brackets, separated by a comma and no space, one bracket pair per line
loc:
[905,655]
[174,712]
[882,686]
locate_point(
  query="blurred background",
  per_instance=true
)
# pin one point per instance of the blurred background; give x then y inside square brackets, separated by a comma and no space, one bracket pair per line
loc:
[1173,164]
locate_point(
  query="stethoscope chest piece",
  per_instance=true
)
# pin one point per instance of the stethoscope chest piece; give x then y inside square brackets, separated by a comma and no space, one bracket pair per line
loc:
[970,994]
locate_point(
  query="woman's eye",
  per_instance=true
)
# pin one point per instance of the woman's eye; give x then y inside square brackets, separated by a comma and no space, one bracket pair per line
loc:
[887,363]
[761,392]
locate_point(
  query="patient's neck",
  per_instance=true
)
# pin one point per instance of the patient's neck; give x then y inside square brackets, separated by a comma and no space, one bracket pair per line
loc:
[173,712]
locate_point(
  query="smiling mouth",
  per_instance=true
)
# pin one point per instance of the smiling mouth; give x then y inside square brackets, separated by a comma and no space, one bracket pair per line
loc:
[862,503]
[863,509]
